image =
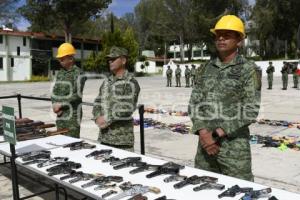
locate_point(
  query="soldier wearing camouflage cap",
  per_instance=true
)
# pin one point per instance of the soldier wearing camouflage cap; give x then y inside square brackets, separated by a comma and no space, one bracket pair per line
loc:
[116,102]
[225,100]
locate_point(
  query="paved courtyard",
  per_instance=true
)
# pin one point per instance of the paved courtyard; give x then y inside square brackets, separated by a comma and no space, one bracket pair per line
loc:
[272,167]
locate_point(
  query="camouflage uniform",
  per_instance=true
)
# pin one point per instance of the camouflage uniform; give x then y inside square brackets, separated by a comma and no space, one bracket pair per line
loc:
[270,70]
[226,96]
[187,74]
[193,75]
[169,73]
[178,76]
[285,76]
[295,77]
[117,101]
[68,92]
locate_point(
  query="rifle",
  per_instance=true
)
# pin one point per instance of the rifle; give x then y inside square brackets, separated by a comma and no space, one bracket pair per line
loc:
[234,190]
[35,161]
[146,167]
[194,180]
[99,154]
[77,176]
[163,198]
[124,160]
[133,163]
[135,190]
[52,161]
[175,177]
[107,194]
[138,197]
[110,159]
[64,168]
[79,145]
[36,155]
[41,134]
[167,168]
[102,180]
[256,194]
[209,186]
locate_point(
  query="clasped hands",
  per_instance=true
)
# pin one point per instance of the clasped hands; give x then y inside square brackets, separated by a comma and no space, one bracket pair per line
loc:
[207,141]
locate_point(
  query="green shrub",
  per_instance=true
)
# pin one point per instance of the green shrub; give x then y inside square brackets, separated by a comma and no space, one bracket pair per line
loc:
[38,78]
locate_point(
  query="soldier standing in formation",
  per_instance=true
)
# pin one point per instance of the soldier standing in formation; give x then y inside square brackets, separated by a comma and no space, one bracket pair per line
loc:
[116,102]
[67,91]
[285,75]
[193,75]
[295,76]
[270,70]
[169,73]
[224,102]
[178,76]
[187,74]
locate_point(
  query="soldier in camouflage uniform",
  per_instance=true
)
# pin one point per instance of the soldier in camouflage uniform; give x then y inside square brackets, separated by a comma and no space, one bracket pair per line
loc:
[178,76]
[295,76]
[169,73]
[270,70]
[193,75]
[116,102]
[224,102]
[67,91]
[285,75]
[187,74]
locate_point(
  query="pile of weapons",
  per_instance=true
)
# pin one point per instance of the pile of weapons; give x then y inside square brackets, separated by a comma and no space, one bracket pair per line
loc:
[279,123]
[276,141]
[162,111]
[67,169]
[178,127]
[27,129]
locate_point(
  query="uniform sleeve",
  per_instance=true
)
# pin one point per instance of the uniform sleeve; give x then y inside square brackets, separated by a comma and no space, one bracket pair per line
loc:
[98,108]
[57,88]
[250,103]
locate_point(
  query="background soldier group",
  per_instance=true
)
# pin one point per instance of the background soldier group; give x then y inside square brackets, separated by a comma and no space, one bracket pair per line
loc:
[189,75]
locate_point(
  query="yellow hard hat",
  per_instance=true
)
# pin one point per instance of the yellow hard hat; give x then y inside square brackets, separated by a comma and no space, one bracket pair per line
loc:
[230,22]
[65,49]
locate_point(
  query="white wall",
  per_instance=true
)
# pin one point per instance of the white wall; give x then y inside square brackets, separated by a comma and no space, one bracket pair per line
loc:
[276,63]
[148,69]
[14,42]
[3,76]
[173,66]
[22,69]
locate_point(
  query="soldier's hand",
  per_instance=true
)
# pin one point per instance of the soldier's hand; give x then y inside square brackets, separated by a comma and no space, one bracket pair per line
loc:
[56,108]
[59,113]
[220,132]
[207,142]
[212,149]
[100,121]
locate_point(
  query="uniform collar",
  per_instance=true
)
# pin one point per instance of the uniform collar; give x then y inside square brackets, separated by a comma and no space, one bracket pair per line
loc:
[238,59]
[125,76]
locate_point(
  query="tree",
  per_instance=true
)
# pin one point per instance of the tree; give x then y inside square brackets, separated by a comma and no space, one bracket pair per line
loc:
[7,12]
[181,21]
[117,38]
[276,22]
[46,15]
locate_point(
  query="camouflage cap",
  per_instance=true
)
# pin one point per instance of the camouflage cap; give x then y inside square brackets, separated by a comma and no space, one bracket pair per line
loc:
[117,52]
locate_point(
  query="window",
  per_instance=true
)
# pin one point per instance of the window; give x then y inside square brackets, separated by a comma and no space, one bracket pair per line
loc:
[1,63]
[18,51]
[1,39]
[24,41]
[12,62]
